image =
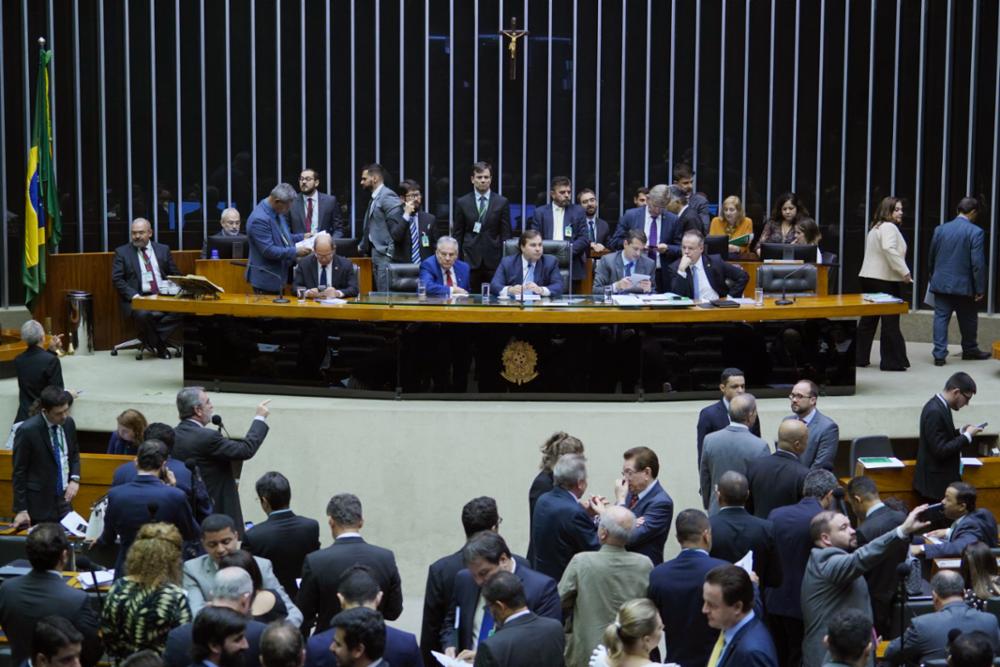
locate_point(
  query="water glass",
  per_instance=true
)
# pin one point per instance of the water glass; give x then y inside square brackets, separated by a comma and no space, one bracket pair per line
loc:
[758,296]
[421,289]
[300,294]
[608,289]
[486,292]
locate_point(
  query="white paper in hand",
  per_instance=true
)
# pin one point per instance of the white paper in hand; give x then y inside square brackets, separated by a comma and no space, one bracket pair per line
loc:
[75,524]
[448,662]
[746,562]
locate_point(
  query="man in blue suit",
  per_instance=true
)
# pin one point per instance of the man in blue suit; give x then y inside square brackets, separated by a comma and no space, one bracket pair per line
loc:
[530,271]
[729,606]
[358,588]
[640,491]
[958,280]
[660,226]
[716,416]
[444,273]
[272,244]
[969,524]
[562,220]
[675,587]
[560,527]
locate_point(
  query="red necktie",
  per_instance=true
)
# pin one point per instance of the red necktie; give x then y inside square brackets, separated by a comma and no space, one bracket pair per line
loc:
[153,287]
[309,214]
[635,501]
[447,278]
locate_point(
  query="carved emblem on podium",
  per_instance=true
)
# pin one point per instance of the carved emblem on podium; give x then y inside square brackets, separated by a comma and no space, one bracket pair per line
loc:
[519,362]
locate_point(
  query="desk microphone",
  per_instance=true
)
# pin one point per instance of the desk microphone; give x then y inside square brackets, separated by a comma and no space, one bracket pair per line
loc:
[903,574]
[784,300]
[281,281]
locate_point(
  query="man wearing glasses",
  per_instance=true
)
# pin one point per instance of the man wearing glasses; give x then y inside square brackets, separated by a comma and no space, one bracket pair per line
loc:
[824,433]
[640,491]
[940,450]
[420,230]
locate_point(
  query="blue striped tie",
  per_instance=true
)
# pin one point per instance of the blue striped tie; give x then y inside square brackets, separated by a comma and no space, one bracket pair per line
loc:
[415,241]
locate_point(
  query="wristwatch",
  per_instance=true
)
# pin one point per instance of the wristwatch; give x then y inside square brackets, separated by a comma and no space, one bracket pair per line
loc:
[74,478]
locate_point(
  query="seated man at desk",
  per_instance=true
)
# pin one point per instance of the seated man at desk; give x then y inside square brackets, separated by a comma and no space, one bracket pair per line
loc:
[229,223]
[530,271]
[704,277]
[616,269]
[444,273]
[325,274]
[968,524]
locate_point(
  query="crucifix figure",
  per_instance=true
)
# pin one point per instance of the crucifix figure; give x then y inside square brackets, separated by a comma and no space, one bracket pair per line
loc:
[513,34]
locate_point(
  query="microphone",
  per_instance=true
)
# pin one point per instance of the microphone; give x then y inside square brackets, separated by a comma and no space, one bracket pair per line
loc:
[217,420]
[903,573]
[281,281]
[903,570]
[784,300]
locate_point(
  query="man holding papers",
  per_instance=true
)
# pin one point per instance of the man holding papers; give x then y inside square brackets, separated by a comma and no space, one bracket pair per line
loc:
[704,277]
[629,269]
[530,272]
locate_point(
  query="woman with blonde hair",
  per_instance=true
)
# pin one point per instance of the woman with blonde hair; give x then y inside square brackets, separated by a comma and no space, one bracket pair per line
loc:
[628,641]
[559,443]
[129,434]
[145,605]
[979,572]
[732,222]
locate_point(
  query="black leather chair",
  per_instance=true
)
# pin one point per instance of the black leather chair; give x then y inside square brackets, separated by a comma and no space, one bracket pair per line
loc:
[717,244]
[870,445]
[915,606]
[773,278]
[403,277]
[347,247]
[561,250]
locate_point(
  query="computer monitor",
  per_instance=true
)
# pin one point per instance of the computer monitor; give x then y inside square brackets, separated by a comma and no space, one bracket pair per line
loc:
[804,253]
[717,244]
[229,247]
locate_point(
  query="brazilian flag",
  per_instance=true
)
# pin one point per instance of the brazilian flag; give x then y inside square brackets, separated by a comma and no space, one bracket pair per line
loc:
[42,225]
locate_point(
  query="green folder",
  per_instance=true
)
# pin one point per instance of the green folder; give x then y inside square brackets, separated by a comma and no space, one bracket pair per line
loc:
[741,241]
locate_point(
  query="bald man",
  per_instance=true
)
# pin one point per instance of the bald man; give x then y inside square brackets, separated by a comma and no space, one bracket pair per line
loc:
[324,274]
[776,480]
[732,448]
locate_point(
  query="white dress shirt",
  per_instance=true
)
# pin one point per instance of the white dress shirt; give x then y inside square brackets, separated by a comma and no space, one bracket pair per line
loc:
[646,227]
[705,291]
[524,274]
[558,214]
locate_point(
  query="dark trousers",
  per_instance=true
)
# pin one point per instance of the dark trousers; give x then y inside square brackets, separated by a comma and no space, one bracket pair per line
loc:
[965,309]
[892,345]
[787,634]
[154,327]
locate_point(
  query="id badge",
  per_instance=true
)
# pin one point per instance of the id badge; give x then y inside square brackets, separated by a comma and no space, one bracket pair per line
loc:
[568,232]
[424,241]
[477,228]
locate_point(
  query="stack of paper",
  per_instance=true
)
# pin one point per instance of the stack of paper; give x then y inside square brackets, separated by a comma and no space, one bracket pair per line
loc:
[91,580]
[876,462]
[881,297]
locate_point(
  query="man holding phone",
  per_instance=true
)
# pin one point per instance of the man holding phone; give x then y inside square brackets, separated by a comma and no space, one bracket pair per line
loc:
[940,450]
[968,524]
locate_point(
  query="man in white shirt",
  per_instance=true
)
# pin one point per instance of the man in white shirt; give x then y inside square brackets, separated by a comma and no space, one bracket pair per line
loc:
[703,277]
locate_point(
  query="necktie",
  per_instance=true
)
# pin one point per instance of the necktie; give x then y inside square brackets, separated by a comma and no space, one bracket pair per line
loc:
[529,275]
[628,269]
[153,287]
[447,279]
[593,231]
[415,239]
[57,451]
[694,281]
[486,628]
[635,501]
[322,276]
[713,660]
[309,214]
[654,237]
[482,206]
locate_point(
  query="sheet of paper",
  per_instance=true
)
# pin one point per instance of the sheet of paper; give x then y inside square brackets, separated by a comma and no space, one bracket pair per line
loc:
[448,662]
[75,524]
[91,580]
[971,461]
[626,300]
[306,243]
[746,562]
[528,296]
[637,278]
[948,563]
[876,462]
[742,300]
[332,302]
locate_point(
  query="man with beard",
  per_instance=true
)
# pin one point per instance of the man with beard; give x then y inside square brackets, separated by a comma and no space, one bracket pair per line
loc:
[359,638]
[229,223]
[314,211]
[597,229]
[219,638]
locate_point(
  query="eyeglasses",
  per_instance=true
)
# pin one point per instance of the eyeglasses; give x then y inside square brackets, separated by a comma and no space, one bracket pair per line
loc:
[628,472]
[799,397]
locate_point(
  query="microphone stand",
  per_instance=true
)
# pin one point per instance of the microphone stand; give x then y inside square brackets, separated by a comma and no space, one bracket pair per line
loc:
[784,300]
[903,573]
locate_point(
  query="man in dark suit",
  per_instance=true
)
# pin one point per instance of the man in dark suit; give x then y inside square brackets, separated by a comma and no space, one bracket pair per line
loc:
[640,491]
[523,638]
[46,465]
[776,480]
[481,225]
[313,211]
[384,232]
[42,592]
[218,637]
[957,267]
[675,587]
[443,273]
[696,202]
[359,638]
[597,229]
[562,220]
[229,223]
[876,519]
[282,645]
[322,569]
[824,434]
[530,270]
[468,622]
[663,235]
[729,606]
[791,531]
[849,639]
[326,267]
[284,538]
[421,227]
[735,531]
[357,588]
[273,248]
[478,514]
[939,452]
[212,453]
[141,268]
[969,524]
[704,277]
[37,367]
[715,417]
[560,527]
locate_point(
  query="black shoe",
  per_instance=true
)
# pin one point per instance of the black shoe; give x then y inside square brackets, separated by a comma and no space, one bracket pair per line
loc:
[862,364]
[939,362]
[976,355]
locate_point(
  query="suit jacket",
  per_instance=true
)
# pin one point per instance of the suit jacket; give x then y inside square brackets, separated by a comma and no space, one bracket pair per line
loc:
[328,216]
[656,509]
[699,204]
[561,528]
[601,230]
[525,641]
[437,598]
[713,418]
[510,272]
[384,232]
[178,650]
[750,647]
[39,593]
[37,368]
[539,590]
[833,581]
[883,581]
[483,249]
[939,452]
[775,481]
[689,220]
[272,248]
[540,485]
[594,586]
[35,473]
[955,260]
[729,449]
[285,539]
[735,531]
[611,268]
[717,271]
[199,579]
[400,649]
[824,437]
[321,574]
[340,274]
[977,526]
[791,531]
[668,231]
[675,587]
[126,275]
[433,276]
[927,637]
[426,229]
[574,218]
[214,455]
[200,501]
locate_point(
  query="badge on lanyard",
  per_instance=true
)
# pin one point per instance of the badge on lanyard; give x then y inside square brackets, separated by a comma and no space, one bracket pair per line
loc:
[424,241]
[478,227]
[568,232]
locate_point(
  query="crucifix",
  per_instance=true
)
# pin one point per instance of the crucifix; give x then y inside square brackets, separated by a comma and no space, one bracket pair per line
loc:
[513,34]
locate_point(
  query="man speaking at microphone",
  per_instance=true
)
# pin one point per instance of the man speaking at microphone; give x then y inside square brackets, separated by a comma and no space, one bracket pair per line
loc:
[215,455]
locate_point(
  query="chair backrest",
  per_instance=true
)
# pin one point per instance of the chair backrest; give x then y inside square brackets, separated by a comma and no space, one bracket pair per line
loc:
[561,250]
[717,244]
[870,445]
[915,606]
[403,277]
[347,247]
[773,277]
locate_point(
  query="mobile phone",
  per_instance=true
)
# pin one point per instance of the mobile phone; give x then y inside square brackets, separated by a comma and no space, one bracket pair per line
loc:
[982,426]
[930,511]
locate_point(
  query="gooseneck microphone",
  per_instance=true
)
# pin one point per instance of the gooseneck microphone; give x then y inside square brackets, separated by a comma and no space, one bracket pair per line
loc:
[784,300]
[217,420]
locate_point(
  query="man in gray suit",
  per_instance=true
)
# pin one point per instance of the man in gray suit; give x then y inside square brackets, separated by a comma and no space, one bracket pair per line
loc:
[730,449]
[834,578]
[616,269]
[927,637]
[383,235]
[824,434]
